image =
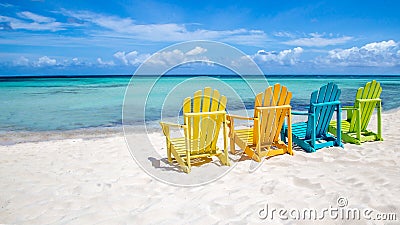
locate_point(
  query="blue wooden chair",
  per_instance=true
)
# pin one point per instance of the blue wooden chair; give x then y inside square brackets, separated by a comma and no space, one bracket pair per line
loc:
[313,134]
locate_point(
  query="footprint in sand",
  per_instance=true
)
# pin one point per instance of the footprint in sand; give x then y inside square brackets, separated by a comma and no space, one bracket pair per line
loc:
[306,183]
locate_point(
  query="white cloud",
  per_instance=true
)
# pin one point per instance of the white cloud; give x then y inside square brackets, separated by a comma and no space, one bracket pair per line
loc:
[35,17]
[318,40]
[173,57]
[383,46]
[76,62]
[128,28]
[21,61]
[285,57]
[101,28]
[105,63]
[31,21]
[383,53]
[252,37]
[196,51]
[6,5]
[120,58]
[283,34]
[45,61]
[131,58]
[176,57]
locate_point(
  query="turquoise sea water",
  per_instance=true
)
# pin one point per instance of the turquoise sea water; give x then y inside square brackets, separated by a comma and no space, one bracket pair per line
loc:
[59,104]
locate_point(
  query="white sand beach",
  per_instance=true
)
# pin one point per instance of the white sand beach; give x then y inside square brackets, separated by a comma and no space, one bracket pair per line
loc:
[96,181]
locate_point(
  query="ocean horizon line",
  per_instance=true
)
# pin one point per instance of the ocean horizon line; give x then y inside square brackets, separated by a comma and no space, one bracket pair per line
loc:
[196,75]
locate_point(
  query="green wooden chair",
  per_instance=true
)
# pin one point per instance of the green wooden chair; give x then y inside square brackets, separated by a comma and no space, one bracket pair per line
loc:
[354,128]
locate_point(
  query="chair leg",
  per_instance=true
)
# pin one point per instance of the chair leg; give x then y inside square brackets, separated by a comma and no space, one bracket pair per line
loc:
[169,151]
[358,124]
[289,135]
[379,122]
[186,169]
[223,157]
[232,144]
[283,132]
[339,127]
[227,162]
[252,154]
[188,163]
[184,166]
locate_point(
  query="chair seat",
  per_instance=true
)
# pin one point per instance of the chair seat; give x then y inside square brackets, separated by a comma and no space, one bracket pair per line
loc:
[178,142]
[345,125]
[179,145]
[299,130]
[245,135]
[366,135]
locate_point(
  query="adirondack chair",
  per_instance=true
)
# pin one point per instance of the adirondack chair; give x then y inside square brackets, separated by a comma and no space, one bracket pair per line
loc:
[354,128]
[313,134]
[271,108]
[203,116]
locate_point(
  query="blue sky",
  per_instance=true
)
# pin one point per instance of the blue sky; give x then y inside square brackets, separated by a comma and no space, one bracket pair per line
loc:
[283,37]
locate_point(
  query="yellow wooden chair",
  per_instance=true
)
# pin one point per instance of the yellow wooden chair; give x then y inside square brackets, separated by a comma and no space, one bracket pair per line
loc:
[203,116]
[271,108]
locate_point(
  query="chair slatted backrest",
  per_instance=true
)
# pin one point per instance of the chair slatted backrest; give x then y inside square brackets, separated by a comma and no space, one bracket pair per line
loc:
[323,112]
[204,128]
[372,90]
[270,117]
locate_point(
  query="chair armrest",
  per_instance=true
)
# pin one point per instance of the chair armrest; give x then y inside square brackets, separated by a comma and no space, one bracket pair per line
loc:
[230,116]
[175,125]
[349,111]
[348,108]
[230,122]
[166,126]
[300,113]
[369,100]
